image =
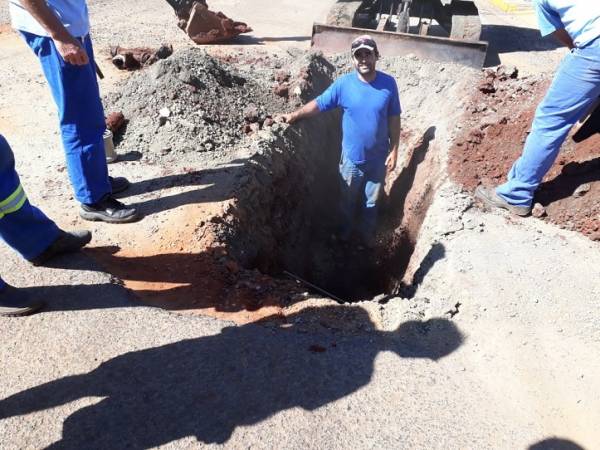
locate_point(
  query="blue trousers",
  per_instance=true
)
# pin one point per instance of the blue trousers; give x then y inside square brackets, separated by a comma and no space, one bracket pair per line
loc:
[360,187]
[575,87]
[81,116]
[22,226]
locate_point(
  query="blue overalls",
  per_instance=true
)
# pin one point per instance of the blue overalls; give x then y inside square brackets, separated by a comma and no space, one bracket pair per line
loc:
[22,226]
[81,116]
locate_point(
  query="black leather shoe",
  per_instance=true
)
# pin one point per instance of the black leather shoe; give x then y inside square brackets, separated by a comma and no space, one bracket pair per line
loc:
[66,242]
[118,184]
[108,210]
[15,302]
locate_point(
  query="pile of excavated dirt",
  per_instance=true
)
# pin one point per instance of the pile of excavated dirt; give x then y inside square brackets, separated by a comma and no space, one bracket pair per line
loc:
[495,126]
[193,103]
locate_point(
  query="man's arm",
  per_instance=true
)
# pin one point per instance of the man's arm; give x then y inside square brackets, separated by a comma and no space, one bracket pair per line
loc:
[394,125]
[308,110]
[68,47]
[563,37]
[550,22]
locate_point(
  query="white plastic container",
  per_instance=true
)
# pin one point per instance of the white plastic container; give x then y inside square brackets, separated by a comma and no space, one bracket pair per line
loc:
[109,147]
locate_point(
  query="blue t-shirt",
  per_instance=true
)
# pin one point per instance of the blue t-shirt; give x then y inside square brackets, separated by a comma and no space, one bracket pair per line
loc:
[580,18]
[366,109]
[73,14]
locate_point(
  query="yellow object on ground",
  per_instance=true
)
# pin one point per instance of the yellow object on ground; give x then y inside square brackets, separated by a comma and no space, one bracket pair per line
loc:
[514,6]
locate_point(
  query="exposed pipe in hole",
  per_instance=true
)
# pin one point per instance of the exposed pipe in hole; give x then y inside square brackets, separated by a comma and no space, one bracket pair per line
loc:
[315,287]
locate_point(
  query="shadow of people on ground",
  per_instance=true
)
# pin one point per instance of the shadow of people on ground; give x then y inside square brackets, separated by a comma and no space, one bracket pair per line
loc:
[436,253]
[207,387]
[212,185]
[173,281]
[81,297]
[555,444]
[573,175]
[509,39]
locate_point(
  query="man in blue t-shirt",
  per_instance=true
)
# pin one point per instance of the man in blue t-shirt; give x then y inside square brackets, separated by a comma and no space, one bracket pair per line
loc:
[576,86]
[370,134]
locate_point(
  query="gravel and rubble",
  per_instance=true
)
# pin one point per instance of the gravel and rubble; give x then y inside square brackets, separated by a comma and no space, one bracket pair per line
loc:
[189,103]
[193,103]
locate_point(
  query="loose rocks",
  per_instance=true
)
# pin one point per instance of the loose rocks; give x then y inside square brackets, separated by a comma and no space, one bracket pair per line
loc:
[192,102]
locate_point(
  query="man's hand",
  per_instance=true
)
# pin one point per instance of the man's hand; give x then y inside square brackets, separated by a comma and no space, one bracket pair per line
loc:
[390,161]
[308,110]
[287,118]
[394,124]
[72,51]
[564,38]
[69,48]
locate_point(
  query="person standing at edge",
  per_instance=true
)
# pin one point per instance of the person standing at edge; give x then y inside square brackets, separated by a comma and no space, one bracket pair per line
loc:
[58,33]
[576,85]
[27,230]
[370,134]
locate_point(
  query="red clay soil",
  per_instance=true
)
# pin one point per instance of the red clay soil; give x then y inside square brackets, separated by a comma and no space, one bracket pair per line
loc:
[497,121]
[207,283]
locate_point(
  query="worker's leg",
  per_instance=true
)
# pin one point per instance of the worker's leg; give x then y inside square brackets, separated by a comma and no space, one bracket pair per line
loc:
[374,179]
[352,182]
[575,86]
[22,226]
[75,91]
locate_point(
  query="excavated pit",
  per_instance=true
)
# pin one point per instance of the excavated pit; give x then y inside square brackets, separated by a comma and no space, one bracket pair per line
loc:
[208,121]
[294,233]
[286,213]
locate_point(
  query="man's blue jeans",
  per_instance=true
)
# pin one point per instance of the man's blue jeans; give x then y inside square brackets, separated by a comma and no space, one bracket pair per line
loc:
[81,116]
[22,226]
[360,186]
[575,87]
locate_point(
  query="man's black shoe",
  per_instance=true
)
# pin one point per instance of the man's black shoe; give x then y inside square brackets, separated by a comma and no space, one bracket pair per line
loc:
[109,210]
[118,184]
[15,302]
[66,242]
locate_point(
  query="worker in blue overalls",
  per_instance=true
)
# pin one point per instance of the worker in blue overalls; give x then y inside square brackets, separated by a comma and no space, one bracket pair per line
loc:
[576,86]
[58,33]
[27,230]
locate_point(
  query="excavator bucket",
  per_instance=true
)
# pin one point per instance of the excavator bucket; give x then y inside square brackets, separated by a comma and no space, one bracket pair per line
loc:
[334,39]
[204,26]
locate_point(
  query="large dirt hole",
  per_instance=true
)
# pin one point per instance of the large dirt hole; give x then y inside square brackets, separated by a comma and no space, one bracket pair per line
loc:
[304,217]
[231,191]
[287,214]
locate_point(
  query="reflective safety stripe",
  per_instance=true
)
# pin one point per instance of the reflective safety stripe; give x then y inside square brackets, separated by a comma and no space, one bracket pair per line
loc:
[13,203]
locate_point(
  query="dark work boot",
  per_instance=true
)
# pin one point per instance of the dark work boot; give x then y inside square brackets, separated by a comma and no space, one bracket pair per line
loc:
[108,210]
[489,198]
[66,242]
[15,302]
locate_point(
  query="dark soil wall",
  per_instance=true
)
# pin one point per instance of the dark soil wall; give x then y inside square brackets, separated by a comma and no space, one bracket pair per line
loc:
[289,189]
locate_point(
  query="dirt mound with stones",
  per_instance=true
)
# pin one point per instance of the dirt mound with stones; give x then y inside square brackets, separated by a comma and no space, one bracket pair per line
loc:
[193,103]
[494,128]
